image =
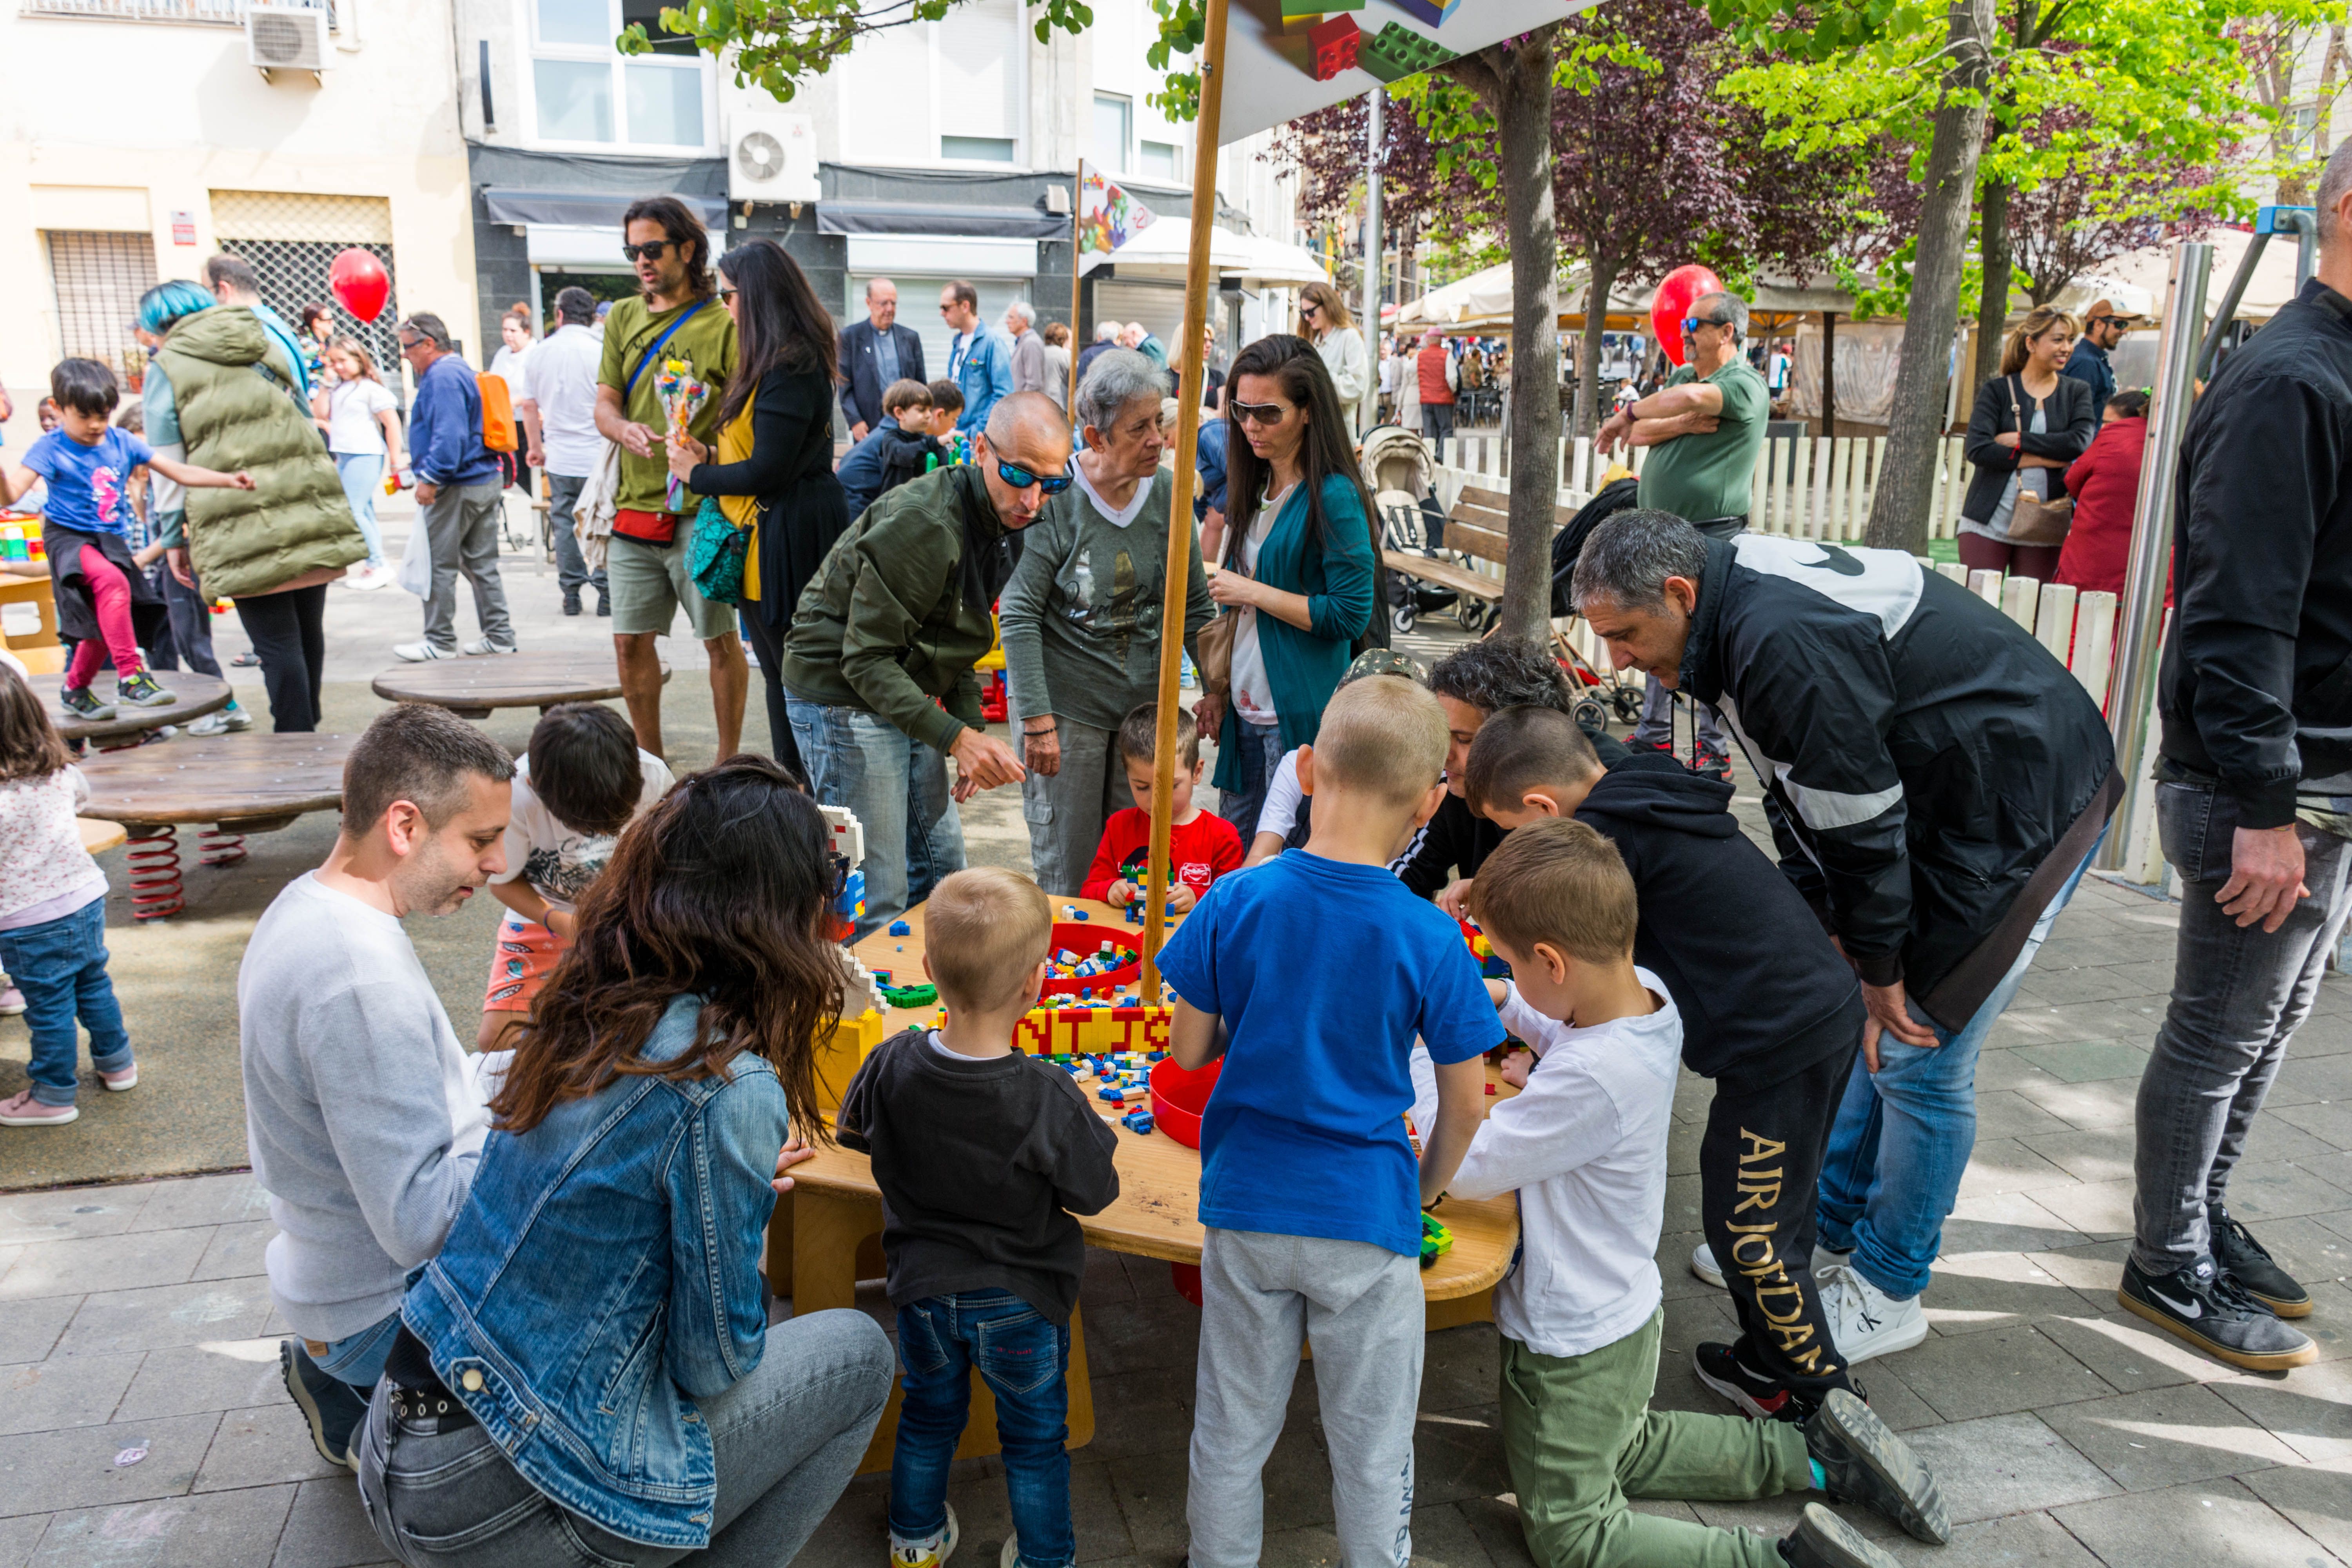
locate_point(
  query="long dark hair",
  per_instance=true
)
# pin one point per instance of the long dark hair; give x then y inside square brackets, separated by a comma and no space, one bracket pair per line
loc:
[778,322]
[30,746]
[1294,364]
[722,890]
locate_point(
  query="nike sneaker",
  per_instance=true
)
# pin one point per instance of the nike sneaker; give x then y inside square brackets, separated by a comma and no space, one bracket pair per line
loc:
[2205,1307]
[2249,1262]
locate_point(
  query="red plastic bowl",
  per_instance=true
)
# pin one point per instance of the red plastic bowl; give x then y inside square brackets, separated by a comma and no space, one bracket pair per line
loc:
[1179,1098]
[1083,937]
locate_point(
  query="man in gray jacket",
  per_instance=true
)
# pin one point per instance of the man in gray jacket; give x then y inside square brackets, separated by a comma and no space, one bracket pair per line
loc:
[361,1109]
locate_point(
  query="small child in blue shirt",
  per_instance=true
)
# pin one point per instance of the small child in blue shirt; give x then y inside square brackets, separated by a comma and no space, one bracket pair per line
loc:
[87,523]
[1311,975]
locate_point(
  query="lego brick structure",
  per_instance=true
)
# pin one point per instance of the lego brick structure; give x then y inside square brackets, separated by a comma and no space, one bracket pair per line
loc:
[1433,12]
[1335,44]
[1394,53]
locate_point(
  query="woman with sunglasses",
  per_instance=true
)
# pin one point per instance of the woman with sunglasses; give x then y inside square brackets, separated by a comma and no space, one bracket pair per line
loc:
[772,471]
[1081,617]
[585,1373]
[1323,320]
[1301,571]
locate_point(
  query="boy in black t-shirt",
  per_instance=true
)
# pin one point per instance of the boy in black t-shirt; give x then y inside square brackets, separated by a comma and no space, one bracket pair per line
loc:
[983,1155]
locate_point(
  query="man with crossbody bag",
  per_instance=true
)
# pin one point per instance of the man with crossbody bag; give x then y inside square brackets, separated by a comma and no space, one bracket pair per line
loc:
[678,319]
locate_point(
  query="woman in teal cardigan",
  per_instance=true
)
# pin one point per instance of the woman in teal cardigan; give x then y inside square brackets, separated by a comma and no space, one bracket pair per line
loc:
[1301,570]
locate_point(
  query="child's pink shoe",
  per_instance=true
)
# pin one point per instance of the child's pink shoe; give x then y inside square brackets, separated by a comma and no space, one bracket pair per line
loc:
[118,1082]
[25,1112]
[12,1002]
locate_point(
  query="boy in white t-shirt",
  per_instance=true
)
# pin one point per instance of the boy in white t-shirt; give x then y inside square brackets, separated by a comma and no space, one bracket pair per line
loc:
[1584,1146]
[583,781]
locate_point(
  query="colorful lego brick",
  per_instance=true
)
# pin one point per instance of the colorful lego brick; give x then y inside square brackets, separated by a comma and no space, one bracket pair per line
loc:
[1394,53]
[900,928]
[1335,44]
[910,995]
[1303,23]
[1436,1241]
[1434,13]
[1137,1121]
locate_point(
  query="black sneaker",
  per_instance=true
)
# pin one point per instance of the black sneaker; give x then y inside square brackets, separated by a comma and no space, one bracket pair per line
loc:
[1719,1367]
[140,690]
[1823,1539]
[603,605]
[2209,1311]
[1867,1464]
[571,604]
[78,703]
[333,1407]
[1708,762]
[2248,1262]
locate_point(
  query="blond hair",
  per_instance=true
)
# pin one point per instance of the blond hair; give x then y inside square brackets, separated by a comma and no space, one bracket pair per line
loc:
[1559,882]
[1384,735]
[986,931]
[2038,321]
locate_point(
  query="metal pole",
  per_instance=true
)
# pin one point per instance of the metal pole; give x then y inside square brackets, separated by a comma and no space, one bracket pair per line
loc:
[1077,238]
[2140,631]
[2228,310]
[2304,224]
[1375,239]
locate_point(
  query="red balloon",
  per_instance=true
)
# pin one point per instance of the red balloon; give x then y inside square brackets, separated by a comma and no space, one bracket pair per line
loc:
[1672,303]
[361,283]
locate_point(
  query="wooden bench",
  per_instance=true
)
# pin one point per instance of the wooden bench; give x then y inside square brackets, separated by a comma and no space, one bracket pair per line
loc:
[1478,526]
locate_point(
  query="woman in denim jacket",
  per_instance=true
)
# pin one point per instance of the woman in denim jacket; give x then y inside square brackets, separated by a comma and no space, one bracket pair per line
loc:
[586,1374]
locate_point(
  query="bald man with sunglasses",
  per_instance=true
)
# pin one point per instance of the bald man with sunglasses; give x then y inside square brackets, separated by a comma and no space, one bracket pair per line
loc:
[877,673]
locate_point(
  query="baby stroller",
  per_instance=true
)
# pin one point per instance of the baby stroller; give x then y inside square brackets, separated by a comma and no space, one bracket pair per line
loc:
[1599,694]
[1397,468]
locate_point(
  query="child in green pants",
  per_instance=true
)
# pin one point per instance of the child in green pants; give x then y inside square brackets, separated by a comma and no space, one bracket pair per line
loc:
[1584,1146]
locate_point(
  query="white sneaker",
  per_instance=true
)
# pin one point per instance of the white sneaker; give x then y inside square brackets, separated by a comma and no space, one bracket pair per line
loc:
[368,578]
[931,1553]
[418,652]
[483,644]
[222,722]
[1865,1322]
[1703,1263]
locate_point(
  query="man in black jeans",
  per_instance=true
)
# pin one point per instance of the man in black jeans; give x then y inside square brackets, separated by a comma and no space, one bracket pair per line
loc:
[2253,796]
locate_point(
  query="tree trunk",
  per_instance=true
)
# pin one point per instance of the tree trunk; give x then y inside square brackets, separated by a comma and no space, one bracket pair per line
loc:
[1600,277]
[1992,299]
[1898,512]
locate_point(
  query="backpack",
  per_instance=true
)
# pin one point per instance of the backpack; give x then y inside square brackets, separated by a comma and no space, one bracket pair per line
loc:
[498,412]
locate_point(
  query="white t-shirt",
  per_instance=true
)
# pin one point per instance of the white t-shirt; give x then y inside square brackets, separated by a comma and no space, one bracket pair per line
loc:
[1253,693]
[1117,517]
[1280,812]
[561,378]
[351,409]
[561,861]
[509,367]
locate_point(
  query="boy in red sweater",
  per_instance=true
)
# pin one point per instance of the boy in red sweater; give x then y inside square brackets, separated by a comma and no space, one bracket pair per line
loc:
[1204,846]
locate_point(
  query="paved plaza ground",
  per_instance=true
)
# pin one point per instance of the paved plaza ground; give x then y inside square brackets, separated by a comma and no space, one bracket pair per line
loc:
[141,1421]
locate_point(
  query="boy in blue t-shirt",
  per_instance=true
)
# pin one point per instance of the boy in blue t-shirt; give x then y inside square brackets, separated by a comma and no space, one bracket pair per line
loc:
[85,525]
[1311,975]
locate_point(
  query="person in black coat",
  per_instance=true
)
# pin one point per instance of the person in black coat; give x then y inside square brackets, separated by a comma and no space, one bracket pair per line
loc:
[779,482]
[2031,421]
[863,372]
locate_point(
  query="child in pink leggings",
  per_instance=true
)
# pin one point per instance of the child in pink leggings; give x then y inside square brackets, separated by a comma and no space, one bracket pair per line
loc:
[86,463]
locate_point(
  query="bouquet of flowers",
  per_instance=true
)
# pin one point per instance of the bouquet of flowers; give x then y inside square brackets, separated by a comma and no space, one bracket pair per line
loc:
[682,397]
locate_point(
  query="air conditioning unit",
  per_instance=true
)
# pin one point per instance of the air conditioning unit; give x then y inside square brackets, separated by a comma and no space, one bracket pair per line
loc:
[770,157]
[287,38]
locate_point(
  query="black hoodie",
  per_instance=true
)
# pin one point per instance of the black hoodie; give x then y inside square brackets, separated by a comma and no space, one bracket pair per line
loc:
[1762,992]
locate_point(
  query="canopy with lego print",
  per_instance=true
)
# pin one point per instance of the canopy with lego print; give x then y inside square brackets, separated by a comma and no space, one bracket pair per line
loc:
[1288,57]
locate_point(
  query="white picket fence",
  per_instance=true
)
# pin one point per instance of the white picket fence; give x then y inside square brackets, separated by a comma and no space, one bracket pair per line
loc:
[2078,628]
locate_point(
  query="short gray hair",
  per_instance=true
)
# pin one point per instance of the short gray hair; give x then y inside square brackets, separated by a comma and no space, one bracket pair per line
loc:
[1023,309]
[1727,304]
[1627,559]
[1106,331]
[428,326]
[1117,378]
[2334,182]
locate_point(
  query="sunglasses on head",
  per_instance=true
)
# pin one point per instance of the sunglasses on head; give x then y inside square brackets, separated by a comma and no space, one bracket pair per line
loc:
[1021,479]
[1259,412]
[652,250]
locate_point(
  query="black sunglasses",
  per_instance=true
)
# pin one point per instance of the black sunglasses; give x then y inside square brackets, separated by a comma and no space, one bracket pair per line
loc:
[728,293]
[1259,412]
[1021,479]
[652,250]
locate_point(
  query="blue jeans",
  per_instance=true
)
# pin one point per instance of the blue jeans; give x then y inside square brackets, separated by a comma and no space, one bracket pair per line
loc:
[1023,1359]
[60,966]
[1260,746]
[362,472]
[358,1359]
[898,788]
[1903,1134]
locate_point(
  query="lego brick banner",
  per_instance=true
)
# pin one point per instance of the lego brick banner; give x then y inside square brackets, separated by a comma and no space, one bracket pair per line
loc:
[1288,57]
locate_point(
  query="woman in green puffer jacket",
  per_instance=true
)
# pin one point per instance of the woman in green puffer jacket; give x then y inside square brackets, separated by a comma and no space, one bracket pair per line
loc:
[275,548]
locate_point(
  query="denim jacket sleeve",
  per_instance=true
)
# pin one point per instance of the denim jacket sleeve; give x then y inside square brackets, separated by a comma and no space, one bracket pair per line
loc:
[720,1201]
[1344,608]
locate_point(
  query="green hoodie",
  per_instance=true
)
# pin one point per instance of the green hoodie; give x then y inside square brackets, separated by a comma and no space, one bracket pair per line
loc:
[295,520]
[883,626]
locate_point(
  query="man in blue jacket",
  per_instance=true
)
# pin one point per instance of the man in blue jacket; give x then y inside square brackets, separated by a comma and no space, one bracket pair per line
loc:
[458,488]
[980,362]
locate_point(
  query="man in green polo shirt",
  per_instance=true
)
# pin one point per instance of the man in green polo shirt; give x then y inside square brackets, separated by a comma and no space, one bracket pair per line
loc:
[1705,427]
[678,317]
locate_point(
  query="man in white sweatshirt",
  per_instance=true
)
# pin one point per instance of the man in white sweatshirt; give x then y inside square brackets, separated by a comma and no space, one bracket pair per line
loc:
[360,1110]
[1584,1146]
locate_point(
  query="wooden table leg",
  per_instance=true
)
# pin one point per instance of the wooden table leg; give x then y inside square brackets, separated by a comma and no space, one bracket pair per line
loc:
[1461,1310]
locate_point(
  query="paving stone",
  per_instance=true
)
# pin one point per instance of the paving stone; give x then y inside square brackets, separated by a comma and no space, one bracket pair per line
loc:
[2100,1210]
[2131,1354]
[70,1391]
[1999,1465]
[2005,1165]
[1683,1204]
[2274,1137]
[2212,1524]
[29,1330]
[1443,1537]
[231,1199]
[1142,1412]
[1891,1398]
[1963,1376]
[2091,1268]
[212,1374]
[235,1251]
[1458,1454]
[2310,1408]
[64,1216]
[1674,1255]
[2006,1222]
[2109,1102]
[228,1530]
[2093,1155]
[2163,1436]
[2005,1113]
[2089,1061]
[1105,1280]
[18,1537]
[1142,1336]
[2316,1498]
[263,1445]
[2007,1070]
[1978,1291]
[104,1263]
[167,1315]
[2330,1122]
[2301,1080]
[327,1528]
[75,1468]
[1150,1493]
[2017,1541]
[1496,1522]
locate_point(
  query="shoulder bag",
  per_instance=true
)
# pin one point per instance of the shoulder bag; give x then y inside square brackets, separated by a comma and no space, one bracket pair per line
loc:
[2032,521]
[1214,644]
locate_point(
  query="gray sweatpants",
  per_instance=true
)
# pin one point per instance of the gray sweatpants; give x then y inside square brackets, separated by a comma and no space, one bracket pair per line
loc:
[1360,1307]
[462,527]
[1066,812]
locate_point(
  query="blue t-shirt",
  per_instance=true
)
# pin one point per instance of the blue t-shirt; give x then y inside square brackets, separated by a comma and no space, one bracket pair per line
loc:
[89,485]
[1324,972]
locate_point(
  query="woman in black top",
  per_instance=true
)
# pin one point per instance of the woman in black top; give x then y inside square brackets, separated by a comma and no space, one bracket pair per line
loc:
[2030,423]
[773,471]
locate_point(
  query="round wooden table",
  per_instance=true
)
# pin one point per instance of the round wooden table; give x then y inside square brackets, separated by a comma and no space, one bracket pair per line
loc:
[193,696]
[471,687]
[236,785]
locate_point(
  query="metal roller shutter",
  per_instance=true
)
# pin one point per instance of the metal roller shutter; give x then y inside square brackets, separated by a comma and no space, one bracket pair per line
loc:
[98,277]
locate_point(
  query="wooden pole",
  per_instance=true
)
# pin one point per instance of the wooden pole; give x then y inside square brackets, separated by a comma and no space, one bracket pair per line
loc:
[1179,505]
[1077,227]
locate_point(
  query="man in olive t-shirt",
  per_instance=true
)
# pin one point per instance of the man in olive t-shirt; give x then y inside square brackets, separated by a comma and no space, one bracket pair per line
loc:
[646,561]
[1705,427]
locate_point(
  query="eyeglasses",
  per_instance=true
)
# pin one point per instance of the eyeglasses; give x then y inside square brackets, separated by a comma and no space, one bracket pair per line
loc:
[728,293]
[1021,479]
[1259,412]
[652,250]
[1693,323]
[409,345]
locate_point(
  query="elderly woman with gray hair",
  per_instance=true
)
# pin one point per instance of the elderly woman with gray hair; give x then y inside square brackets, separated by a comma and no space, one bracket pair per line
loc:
[1081,617]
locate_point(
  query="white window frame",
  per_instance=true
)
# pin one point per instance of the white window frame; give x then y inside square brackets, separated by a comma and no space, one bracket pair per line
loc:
[935,40]
[526,25]
[1118,165]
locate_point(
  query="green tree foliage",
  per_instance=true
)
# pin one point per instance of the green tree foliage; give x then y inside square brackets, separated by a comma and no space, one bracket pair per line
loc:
[776,45]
